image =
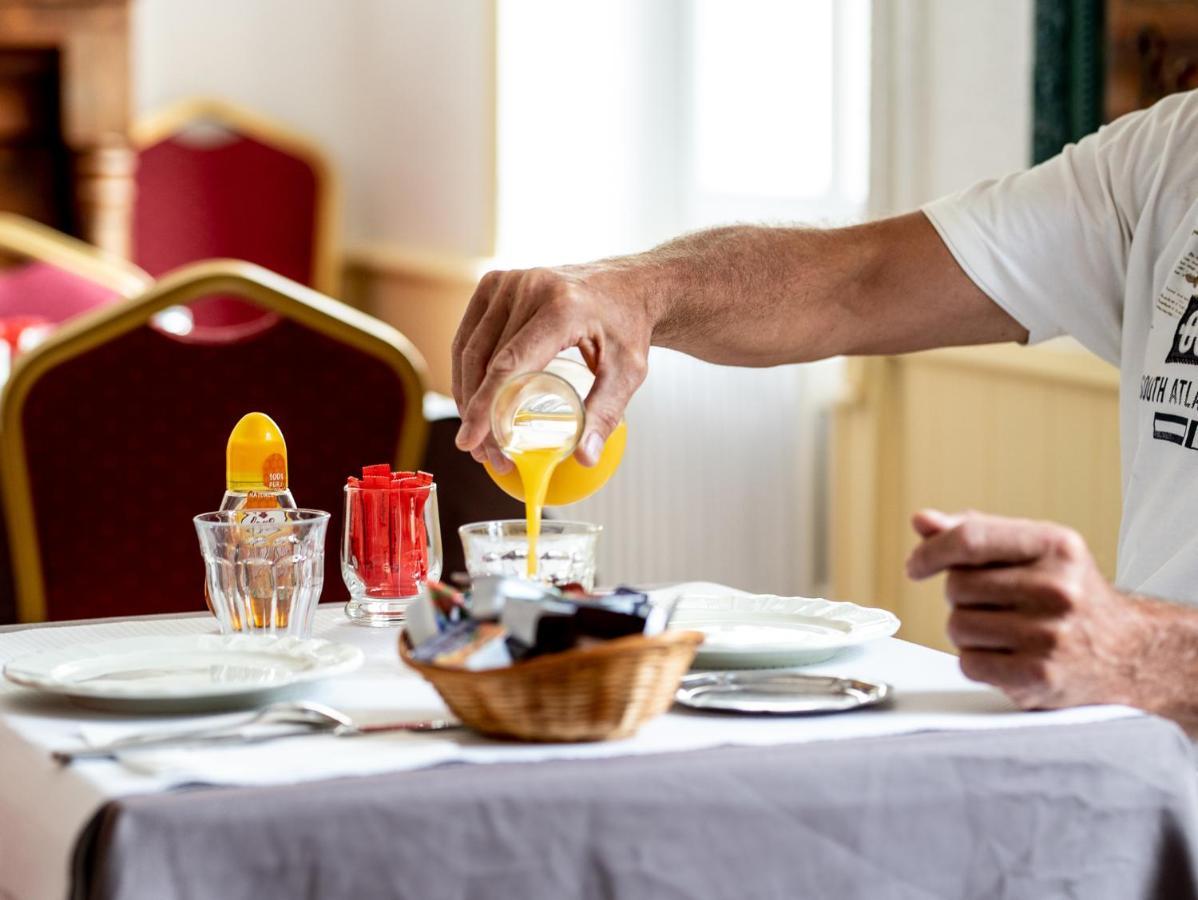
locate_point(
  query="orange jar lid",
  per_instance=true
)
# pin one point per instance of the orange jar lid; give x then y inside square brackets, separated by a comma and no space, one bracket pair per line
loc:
[256,456]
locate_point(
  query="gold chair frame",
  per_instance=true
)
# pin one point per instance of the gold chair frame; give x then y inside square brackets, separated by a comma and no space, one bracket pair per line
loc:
[25,237]
[161,124]
[269,290]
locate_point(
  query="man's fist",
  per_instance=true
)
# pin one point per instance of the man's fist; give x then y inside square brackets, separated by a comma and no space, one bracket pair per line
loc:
[1030,612]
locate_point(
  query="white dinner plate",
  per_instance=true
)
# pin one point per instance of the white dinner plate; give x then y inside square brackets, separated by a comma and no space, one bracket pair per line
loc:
[751,631]
[182,673]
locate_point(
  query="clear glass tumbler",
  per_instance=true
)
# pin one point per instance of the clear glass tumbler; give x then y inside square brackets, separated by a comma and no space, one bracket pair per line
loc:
[264,568]
[565,550]
[390,548]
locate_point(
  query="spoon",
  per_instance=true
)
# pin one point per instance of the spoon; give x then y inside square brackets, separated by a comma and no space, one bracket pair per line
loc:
[311,717]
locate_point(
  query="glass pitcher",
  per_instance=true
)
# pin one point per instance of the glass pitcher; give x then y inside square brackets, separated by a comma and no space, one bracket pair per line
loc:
[547,407]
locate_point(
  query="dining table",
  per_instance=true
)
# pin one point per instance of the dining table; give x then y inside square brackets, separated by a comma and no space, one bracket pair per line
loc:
[945,791]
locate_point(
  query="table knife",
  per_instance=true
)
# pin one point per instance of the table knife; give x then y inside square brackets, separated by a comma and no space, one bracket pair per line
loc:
[239,738]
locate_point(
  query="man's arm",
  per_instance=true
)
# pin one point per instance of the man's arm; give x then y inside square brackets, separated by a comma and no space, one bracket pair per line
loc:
[739,295]
[752,296]
[1032,615]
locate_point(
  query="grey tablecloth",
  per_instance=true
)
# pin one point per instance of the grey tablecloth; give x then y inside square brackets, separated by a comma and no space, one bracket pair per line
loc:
[1095,811]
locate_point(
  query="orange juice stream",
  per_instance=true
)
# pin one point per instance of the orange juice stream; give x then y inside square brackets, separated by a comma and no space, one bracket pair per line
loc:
[539,442]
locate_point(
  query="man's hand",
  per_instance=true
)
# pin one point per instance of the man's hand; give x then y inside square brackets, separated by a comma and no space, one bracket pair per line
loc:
[1031,613]
[518,321]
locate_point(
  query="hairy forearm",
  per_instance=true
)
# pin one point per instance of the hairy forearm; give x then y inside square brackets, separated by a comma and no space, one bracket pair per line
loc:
[1166,667]
[754,295]
[751,295]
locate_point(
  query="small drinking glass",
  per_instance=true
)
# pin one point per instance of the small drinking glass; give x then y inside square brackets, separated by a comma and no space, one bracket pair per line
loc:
[565,550]
[265,568]
[390,549]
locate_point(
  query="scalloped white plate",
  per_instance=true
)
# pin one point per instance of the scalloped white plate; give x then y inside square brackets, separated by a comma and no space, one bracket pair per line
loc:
[187,673]
[743,631]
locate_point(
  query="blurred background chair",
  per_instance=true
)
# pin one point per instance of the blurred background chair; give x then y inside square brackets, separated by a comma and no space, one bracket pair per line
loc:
[52,276]
[47,278]
[112,434]
[215,180]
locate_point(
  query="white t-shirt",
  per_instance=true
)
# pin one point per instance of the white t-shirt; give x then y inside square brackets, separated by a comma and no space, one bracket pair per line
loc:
[1101,243]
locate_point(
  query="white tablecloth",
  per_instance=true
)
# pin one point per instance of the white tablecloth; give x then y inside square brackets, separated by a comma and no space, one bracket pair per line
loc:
[43,806]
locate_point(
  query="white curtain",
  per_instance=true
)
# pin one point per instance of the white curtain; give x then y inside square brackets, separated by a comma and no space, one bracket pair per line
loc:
[721,479]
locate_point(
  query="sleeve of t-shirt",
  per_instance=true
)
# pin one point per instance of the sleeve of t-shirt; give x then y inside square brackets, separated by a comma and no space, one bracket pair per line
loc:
[1050,245]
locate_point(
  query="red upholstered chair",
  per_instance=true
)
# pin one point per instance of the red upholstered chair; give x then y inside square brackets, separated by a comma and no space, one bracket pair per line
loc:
[215,180]
[47,275]
[37,288]
[112,435]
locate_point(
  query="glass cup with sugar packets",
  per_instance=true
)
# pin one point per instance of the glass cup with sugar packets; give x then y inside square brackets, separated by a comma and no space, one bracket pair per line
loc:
[565,550]
[264,568]
[391,543]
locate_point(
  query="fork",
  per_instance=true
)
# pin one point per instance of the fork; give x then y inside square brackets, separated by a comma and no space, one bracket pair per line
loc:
[309,716]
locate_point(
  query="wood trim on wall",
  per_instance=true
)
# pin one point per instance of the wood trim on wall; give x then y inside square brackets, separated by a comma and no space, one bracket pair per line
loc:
[397,260]
[422,293]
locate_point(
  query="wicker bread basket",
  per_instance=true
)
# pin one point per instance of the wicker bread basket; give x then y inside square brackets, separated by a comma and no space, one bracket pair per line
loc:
[598,693]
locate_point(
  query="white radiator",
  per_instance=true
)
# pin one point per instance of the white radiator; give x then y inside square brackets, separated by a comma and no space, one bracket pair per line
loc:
[722,479]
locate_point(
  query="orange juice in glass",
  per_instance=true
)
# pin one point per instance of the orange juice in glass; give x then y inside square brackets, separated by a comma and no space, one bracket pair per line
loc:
[537,419]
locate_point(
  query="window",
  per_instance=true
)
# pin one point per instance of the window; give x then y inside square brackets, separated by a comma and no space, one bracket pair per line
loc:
[624,123]
[778,110]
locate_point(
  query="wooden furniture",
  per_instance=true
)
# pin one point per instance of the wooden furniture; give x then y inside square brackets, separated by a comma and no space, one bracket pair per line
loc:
[112,435]
[64,114]
[1152,51]
[1004,429]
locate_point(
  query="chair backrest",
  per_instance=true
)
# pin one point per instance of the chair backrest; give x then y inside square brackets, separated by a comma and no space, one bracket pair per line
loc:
[52,276]
[112,435]
[216,180]
[55,276]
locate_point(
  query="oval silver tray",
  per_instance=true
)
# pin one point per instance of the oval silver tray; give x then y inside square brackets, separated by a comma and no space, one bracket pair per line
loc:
[778,693]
